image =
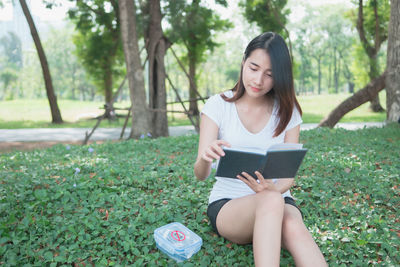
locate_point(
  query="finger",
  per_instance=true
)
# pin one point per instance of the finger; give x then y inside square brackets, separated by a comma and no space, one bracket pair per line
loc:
[212,154]
[218,150]
[206,158]
[249,178]
[243,179]
[223,143]
[260,177]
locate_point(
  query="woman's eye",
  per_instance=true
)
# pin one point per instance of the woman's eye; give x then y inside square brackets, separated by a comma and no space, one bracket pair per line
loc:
[252,69]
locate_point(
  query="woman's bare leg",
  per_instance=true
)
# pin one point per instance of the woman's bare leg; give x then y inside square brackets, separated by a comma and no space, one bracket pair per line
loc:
[298,241]
[256,218]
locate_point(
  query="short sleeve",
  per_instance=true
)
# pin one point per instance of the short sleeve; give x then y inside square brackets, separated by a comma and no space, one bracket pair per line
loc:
[295,120]
[212,108]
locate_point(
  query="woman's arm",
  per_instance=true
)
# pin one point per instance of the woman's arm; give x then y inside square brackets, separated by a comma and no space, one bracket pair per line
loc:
[209,147]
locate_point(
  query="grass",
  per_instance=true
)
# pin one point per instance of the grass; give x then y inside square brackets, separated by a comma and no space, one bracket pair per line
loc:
[36,113]
[105,213]
[316,107]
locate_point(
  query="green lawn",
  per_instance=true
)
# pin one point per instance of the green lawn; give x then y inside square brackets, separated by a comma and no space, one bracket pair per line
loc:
[36,113]
[105,214]
[316,107]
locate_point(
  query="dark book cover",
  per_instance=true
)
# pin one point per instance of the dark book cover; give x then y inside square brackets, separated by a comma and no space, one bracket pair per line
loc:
[282,161]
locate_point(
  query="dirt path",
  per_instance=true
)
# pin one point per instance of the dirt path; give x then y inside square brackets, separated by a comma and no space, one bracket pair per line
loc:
[26,146]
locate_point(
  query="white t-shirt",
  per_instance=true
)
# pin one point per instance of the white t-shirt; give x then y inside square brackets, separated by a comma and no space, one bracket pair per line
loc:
[231,129]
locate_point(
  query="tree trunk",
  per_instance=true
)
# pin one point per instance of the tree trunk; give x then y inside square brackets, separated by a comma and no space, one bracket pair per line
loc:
[329,75]
[55,111]
[335,71]
[351,87]
[108,86]
[140,114]
[393,64]
[319,75]
[156,48]
[193,108]
[375,104]
[362,96]
[371,51]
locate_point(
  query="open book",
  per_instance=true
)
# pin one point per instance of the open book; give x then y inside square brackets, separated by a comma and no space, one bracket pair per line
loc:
[279,161]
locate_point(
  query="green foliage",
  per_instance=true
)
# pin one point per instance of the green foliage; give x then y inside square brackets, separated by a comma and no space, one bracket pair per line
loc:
[68,205]
[360,65]
[375,29]
[12,49]
[269,15]
[195,26]
[98,41]
[10,63]
[374,25]
[324,34]
[71,78]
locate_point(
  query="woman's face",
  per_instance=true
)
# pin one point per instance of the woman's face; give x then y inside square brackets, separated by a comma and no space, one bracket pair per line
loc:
[257,74]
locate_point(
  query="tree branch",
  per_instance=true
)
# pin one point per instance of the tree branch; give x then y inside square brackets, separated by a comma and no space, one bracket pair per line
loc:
[377,37]
[360,30]
[283,26]
[362,96]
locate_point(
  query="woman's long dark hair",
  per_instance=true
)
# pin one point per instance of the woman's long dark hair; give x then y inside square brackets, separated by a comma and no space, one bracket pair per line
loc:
[283,89]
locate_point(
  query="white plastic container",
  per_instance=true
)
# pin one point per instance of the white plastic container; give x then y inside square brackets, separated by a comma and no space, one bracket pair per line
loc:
[177,241]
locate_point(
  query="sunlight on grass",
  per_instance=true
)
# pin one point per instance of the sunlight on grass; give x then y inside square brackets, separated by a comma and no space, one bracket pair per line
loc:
[316,107]
[35,113]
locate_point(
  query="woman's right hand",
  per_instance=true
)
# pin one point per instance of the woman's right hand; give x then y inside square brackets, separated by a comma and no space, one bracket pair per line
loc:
[214,151]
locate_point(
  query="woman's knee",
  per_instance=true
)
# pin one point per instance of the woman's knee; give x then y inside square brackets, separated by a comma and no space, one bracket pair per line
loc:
[269,202]
[293,228]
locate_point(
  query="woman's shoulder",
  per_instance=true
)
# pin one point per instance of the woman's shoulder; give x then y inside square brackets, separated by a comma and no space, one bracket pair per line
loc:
[218,98]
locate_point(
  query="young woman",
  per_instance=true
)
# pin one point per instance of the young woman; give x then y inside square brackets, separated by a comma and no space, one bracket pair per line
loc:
[260,110]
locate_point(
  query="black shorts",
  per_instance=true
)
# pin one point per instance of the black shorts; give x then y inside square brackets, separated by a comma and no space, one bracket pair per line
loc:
[214,208]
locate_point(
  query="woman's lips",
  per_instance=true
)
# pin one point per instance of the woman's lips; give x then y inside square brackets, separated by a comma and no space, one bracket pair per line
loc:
[255,89]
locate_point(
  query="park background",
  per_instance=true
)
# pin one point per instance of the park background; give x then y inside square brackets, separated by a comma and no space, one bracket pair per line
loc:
[99,204]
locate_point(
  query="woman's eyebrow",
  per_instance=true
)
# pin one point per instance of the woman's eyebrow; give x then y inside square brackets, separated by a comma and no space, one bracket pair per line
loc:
[252,63]
[255,64]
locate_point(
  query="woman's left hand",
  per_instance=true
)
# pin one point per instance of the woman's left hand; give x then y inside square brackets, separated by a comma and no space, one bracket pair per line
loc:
[257,185]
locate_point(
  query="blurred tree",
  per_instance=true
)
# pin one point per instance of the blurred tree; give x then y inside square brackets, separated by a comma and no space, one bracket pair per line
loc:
[55,111]
[194,26]
[98,44]
[72,81]
[393,64]
[156,46]
[140,115]
[12,49]
[305,71]
[269,15]
[323,45]
[391,74]
[372,23]
[318,48]
[11,63]
[8,75]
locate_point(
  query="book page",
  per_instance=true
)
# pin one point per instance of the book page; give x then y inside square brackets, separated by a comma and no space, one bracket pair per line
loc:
[285,146]
[246,149]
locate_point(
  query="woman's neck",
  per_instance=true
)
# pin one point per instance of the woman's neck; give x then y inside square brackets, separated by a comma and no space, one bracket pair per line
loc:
[255,102]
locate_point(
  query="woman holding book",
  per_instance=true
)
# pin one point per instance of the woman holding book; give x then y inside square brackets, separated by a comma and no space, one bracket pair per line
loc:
[259,111]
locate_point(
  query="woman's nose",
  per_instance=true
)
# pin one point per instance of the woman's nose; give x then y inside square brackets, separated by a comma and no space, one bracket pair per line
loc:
[258,78]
